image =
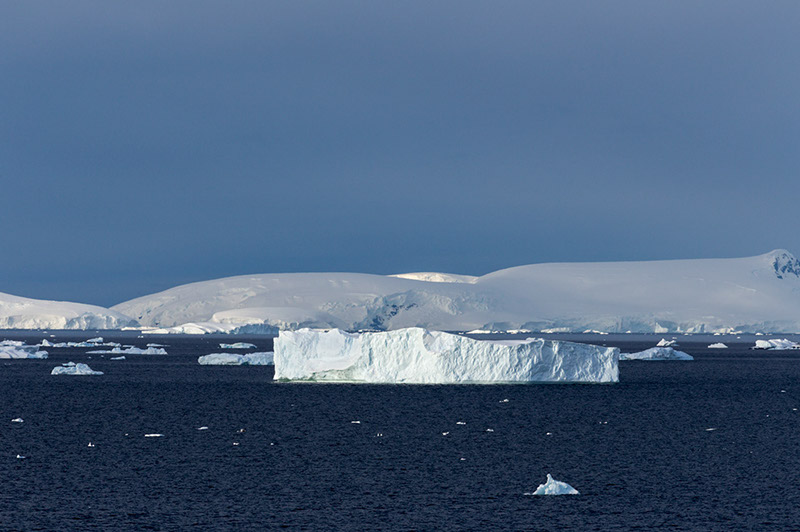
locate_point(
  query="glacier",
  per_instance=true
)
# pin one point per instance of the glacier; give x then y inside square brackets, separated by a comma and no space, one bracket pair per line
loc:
[25,313]
[753,294]
[71,368]
[657,353]
[554,487]
[419,356]
[231,359]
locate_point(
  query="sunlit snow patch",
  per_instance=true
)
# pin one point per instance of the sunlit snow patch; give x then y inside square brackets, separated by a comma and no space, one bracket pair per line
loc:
[657,353]
[554,487]
[416,355]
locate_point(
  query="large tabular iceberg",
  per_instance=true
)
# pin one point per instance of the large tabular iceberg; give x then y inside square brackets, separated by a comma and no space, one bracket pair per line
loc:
[416,355]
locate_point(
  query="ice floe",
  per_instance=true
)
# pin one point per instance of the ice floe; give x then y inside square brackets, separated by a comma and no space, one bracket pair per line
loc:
[554,487]
[416,355]
[718,345]
[129,350]
[231,359]
[657,353]
[237,345]
[71,368]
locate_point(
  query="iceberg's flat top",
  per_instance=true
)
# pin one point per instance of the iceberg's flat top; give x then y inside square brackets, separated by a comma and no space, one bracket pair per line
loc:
[709,295]
[416,355]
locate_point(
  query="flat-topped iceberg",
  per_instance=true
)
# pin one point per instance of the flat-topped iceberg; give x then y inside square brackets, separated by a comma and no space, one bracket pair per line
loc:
[718,345]
[416,355]
[554,487]
[71,368]
[231,359]
[657,353]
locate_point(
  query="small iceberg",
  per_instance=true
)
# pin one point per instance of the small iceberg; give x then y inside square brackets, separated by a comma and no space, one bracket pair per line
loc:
[718,345]
[231,359]
[22,351]
[71,368]
[657,353]
[130,350]
[153,435]
[554,487]
[118,358]
[776,344]
[17,420]
[666,343]
[237,345]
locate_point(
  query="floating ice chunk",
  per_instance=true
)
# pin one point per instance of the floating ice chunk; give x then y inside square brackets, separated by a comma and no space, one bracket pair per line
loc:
[554,487]
[460,423]
[237,345]
[12,343]
[130,350]
[156,345]
[20,457]
[17,420]
[90,444]
[776,344]
[21,352]
[71,368]
[98,340]
[416,355]
[356,422]
[718,345]
[232,359]
[202,428]
[666,343]
[153,435]
[118,358]
[657,353]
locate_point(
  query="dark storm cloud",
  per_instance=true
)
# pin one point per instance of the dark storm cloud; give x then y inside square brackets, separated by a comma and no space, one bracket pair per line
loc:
[146,145]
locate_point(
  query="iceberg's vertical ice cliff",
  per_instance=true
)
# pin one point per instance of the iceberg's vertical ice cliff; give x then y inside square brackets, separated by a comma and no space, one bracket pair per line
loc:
[416,355]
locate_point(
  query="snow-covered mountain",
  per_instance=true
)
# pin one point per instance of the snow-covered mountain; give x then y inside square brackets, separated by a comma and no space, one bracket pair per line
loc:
[25,313]
[759,293]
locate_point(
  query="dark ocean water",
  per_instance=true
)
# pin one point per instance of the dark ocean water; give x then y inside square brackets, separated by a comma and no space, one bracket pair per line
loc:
[640,452]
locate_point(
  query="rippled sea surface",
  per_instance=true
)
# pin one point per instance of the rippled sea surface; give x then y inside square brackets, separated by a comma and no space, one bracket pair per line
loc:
[706,445]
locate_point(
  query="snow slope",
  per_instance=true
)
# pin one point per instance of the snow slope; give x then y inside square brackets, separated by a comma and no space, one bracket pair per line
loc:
[759,293]
[25,313]
[415,355]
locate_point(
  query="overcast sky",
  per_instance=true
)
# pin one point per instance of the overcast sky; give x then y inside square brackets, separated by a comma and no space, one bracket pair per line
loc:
[149,144]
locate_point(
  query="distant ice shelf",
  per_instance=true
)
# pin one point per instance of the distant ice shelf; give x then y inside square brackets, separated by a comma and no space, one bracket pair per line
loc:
[416,355]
